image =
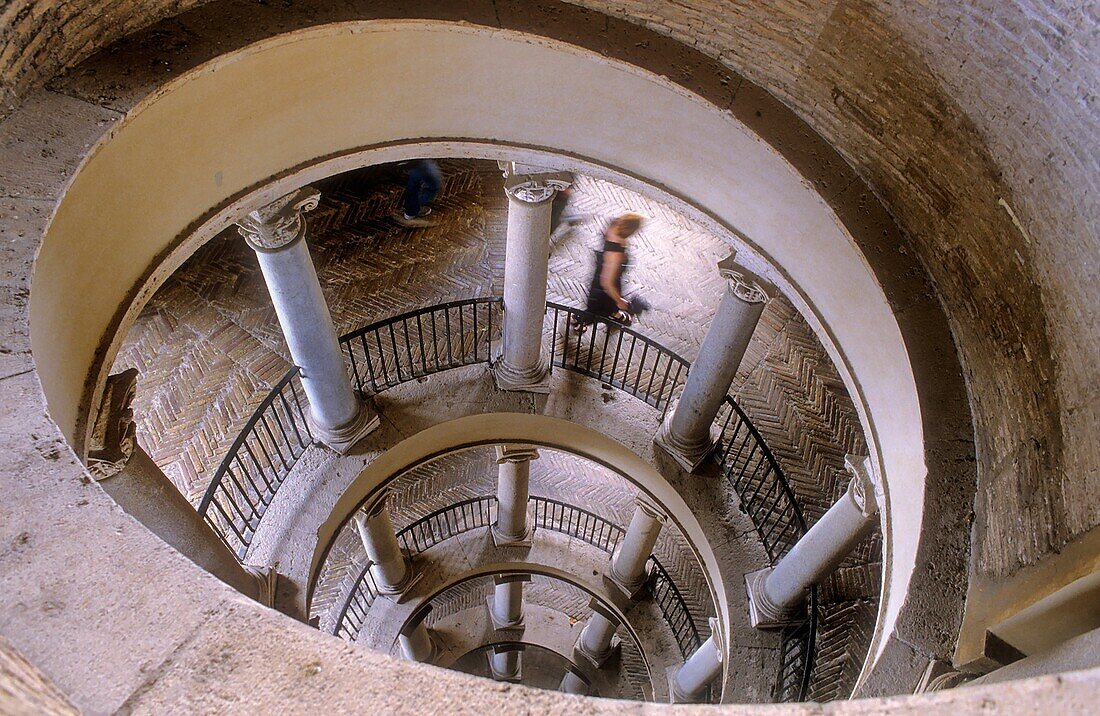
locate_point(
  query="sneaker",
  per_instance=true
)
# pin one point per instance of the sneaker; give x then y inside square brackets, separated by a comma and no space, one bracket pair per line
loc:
[414,222]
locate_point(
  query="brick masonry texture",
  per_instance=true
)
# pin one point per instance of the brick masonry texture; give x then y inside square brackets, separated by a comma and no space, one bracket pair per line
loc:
[974,122]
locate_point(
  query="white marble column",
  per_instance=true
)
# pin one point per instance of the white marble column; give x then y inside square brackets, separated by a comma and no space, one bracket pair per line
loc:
[390,569]
[415,640]
[573,683]
[506,663]
[513,491]
[506,602]
[597,642]
[776,593]
[686,432]
[338,417]
[521,364]
[628,561]
[689,683]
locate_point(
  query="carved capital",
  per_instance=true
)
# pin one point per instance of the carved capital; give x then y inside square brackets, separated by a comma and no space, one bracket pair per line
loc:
[279,223]
[516,453]
[374,505]
[113,436]
[742,283]
[650,507]
[862,487]
[533,185]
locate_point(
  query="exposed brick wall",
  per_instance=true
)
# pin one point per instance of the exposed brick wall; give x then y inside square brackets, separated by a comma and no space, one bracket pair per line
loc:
[946,109]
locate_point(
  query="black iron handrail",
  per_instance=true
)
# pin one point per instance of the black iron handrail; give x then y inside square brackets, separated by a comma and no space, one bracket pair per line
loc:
[550,514]
[257,463]
[381,355]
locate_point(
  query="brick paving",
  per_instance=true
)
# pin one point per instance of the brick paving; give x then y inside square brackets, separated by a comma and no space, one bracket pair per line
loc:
[208,346]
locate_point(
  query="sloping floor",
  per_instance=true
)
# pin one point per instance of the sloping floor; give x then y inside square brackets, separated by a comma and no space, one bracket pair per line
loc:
[208,346]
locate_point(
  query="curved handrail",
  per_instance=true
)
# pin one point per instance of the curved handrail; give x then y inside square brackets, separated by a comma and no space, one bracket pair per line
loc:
[549,514]
[380,355]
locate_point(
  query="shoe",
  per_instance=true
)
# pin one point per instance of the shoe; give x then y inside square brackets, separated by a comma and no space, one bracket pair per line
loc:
[414,222]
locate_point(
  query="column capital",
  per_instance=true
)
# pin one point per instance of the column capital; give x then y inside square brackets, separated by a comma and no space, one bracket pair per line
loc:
[374,505]
[516,453]
[716,639]
[742,283]
[531,184]
[113,437]
[650,507]
[863,486]
[280,223]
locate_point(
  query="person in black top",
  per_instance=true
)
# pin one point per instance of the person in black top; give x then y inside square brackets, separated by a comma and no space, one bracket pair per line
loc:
[605,295]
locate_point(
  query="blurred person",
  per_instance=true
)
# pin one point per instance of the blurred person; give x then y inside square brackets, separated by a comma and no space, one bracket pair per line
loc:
[605,293]
[424,183]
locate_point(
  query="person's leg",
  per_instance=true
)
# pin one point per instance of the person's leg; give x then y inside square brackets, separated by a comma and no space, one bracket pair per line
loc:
[431,179]
[412,191]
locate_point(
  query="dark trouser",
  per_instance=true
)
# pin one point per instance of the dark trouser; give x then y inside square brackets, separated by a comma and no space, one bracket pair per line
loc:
[424,182]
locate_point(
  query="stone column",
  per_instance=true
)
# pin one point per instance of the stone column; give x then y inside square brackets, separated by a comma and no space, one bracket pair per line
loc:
[276,232]
[415,640]
[140,487]
[506,602]
[513,491]
[597,642]
[628,561]
[689,682]
[521,364]
[686,432]
[776,593]
[506,664]
[573,683]
[389,568]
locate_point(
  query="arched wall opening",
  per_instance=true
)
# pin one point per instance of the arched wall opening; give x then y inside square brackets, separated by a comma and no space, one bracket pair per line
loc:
[248,126]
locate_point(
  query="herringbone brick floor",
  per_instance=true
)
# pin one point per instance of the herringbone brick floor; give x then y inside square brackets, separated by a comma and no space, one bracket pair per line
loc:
[208,346]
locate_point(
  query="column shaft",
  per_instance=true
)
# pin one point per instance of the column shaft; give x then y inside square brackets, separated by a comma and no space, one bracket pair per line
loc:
[508,604]
[628,563]
[701,668]
[776,593]
[505,665]
[390,570]
[818,553]
[573,684]
[686,432]
[526,259]
[417,644]
[277,233]
[513,492]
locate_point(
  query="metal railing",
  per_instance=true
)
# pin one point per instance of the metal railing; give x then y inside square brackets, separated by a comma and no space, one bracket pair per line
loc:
[379,356]
[553,515]
[257,463]
[623,358]
[796,656]
[421,342]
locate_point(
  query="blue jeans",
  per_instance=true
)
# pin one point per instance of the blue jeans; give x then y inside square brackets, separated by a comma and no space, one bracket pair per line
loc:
[424,182]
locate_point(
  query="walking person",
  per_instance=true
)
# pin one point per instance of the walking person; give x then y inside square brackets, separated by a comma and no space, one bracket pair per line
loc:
[605,293]
[424,182]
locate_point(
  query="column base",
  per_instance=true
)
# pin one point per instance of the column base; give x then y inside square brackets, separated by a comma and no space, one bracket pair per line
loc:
[267,582]
[763,614]
[633,591]
[597,661]
[517,625]
[397,593]
[687,455]
[527,381]
[515,678]
[502,540]
[675,695]
[343,438]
